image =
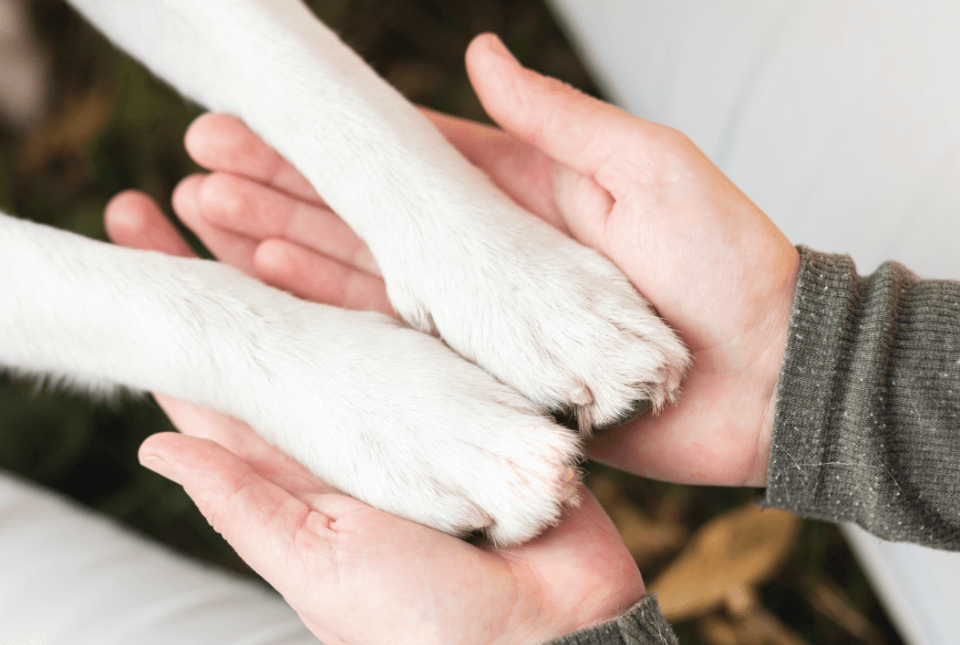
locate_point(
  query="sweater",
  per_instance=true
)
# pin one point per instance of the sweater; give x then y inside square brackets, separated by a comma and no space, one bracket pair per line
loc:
[865,427]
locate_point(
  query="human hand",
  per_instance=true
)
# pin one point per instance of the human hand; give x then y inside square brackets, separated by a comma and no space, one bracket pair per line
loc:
[715,267]
[353,573]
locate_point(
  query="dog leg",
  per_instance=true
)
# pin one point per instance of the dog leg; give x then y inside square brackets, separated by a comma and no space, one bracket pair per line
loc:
[555,320]
[382,412]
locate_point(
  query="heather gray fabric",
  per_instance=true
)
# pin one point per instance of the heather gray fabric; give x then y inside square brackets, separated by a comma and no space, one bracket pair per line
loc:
[642,625]
[866,427]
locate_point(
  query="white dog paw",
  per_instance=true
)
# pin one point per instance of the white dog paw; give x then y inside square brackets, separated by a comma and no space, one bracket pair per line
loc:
[394,418]
[554,319]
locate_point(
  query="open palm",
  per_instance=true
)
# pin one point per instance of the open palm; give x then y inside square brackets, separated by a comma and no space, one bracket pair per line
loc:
[356,574]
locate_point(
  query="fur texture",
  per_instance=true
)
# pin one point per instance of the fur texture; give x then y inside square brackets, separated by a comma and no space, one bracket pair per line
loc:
[385,413]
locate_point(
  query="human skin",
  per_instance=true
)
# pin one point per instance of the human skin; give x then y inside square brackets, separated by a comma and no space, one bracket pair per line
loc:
[717,270]
[714,266]
[353,573]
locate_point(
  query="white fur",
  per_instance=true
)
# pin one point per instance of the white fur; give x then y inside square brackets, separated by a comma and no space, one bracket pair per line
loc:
[381,411]
[385,413]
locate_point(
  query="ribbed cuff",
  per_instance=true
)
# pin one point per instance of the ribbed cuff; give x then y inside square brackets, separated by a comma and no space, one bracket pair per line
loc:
[866,427]
[643,624]
[823,317]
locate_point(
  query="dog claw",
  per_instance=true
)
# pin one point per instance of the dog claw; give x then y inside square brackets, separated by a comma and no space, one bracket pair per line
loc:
[631,414]
[569,492]
[581,396]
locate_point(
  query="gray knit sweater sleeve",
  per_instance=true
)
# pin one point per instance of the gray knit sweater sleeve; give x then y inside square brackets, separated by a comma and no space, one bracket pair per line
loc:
[866,426]
[642,624]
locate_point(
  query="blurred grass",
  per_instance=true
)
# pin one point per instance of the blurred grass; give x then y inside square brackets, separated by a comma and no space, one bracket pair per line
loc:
[121,128]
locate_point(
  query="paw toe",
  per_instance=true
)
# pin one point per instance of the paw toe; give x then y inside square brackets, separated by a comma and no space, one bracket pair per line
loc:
[636,410]
[477,520]
[580,396]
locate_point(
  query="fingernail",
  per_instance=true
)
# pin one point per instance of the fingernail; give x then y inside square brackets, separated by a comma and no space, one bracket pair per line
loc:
[498,47]
[183,200]
[161,467]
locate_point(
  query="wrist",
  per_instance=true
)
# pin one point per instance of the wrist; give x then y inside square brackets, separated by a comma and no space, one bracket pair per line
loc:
[778,324]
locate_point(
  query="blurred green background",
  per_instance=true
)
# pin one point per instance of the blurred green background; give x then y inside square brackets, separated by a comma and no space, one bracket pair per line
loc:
[112,126]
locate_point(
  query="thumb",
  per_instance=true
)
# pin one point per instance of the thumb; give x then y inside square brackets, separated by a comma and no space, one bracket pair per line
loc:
[581,132]
[259,519]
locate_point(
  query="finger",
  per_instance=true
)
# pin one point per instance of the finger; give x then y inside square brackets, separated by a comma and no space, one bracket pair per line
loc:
[229,247]
[587,135]
[223,142]
[311,276]
[256,211]
[237,437]
[266,525]
[134,220]
[520,170]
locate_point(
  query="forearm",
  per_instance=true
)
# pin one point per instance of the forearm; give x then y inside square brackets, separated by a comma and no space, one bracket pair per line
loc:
[866,426]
